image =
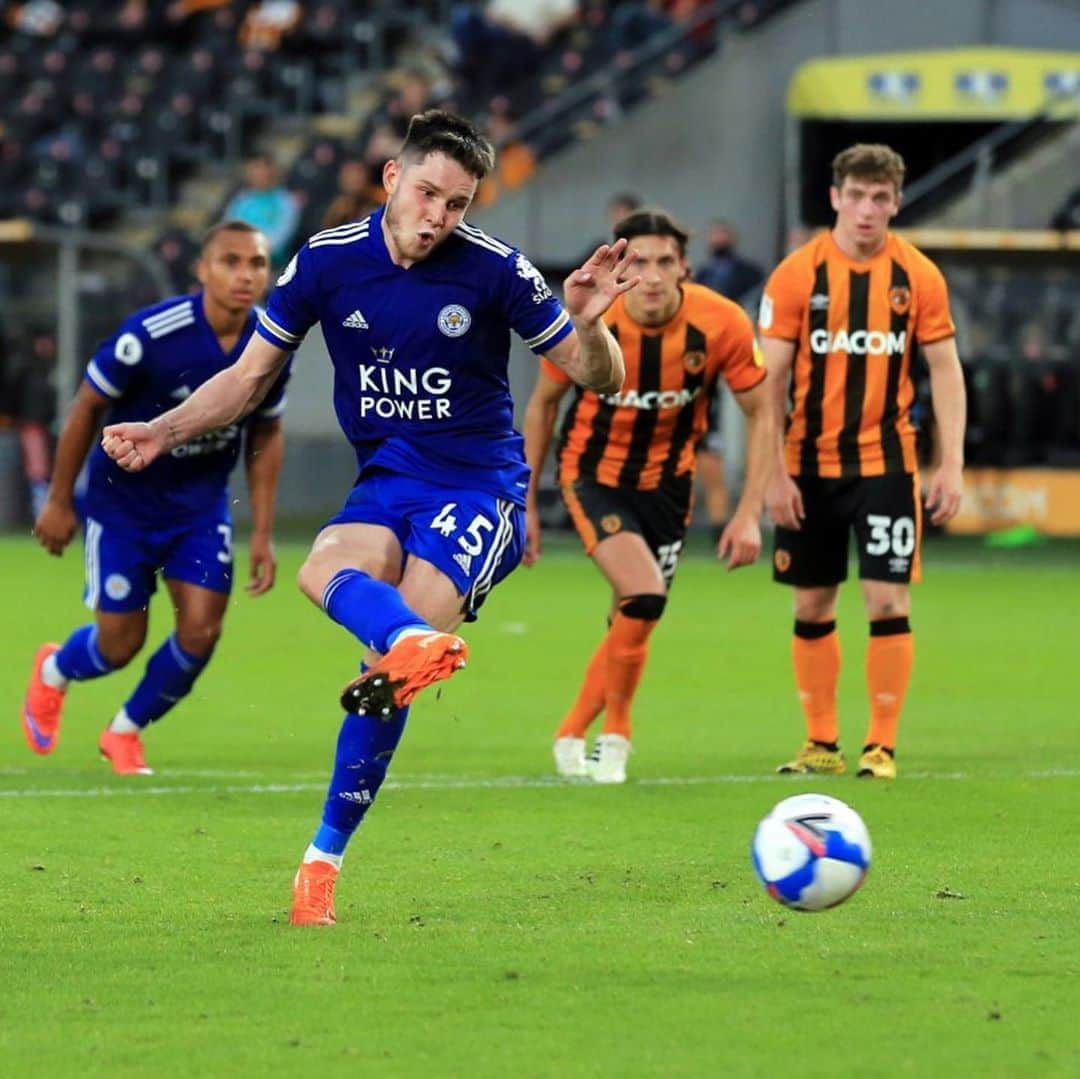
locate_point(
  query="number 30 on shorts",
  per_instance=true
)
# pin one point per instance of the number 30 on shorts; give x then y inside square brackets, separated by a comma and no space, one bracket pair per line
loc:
[890,535]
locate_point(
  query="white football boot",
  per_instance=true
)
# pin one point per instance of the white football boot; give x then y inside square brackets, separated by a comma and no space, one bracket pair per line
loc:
[607,762]
[570,757]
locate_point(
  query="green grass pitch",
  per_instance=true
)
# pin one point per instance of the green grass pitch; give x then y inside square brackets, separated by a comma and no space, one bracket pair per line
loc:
[495,923]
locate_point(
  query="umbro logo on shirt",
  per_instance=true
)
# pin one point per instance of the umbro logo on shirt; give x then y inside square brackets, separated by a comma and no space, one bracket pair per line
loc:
[356,321]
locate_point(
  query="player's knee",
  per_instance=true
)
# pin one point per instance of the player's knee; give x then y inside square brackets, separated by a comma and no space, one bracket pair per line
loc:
[199,639]
[312,579]
[648,606]
[815,605]
[887,609]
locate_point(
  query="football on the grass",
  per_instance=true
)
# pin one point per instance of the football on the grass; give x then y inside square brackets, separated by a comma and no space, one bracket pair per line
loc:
[811,852]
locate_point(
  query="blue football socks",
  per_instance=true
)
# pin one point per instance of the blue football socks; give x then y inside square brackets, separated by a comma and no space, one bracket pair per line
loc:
[170,674]
[364,748]
[372,611]
[79,659]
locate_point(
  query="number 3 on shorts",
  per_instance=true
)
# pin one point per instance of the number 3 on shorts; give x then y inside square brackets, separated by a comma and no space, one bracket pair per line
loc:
[224,556]
[887,534]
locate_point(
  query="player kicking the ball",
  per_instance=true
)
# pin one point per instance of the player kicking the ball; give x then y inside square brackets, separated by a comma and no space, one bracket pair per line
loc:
[416,307]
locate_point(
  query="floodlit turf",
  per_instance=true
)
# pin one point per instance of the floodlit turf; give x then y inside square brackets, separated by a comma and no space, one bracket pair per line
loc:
[495,923]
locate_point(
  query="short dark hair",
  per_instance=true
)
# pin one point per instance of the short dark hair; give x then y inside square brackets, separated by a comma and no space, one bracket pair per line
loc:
[652,222]
[437,131]
[873,162]
[234,224]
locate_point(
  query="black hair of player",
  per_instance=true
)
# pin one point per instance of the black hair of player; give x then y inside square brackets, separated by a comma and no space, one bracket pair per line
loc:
[652,222]
[232,225]
[437,131]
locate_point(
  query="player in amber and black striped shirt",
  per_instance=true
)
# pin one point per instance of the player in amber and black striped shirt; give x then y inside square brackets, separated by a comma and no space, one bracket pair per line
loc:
[626,467]
[840,320]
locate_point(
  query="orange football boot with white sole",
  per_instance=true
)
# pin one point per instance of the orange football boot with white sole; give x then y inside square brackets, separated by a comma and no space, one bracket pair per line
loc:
[313,894]
[414,662]
[43,707]
[125,753]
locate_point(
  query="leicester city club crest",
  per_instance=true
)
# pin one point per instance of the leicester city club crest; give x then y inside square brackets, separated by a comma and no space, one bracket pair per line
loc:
[454,320]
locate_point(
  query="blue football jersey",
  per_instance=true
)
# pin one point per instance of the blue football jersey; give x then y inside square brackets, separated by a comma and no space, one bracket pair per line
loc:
[420,355]
[158,357]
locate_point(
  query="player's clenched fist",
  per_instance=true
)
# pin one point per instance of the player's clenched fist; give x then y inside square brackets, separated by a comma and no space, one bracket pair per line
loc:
[132,446]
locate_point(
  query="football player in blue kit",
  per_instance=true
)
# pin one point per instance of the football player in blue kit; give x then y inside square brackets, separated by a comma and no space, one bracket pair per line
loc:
[173,518]
[416,308]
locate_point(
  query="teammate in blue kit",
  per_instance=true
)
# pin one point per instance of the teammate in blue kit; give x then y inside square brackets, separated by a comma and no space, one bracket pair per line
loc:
[175,516]
[416,309]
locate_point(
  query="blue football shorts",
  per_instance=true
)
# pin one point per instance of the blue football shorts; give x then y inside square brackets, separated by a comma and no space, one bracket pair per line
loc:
[124,559]
[476,539]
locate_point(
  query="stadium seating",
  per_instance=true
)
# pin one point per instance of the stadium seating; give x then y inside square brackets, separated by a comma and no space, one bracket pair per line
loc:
[134,97]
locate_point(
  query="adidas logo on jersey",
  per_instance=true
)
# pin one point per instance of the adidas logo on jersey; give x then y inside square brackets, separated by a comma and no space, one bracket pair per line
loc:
[356,321]
[464,561]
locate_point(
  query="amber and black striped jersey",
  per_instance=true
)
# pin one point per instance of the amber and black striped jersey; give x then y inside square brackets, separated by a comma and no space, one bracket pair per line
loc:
[647,432]
[855,325]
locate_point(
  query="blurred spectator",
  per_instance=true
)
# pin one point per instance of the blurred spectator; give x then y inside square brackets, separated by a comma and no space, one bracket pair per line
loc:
[268,22]
[625,202]
[28,404]
[410,93]
[726,271]
[505,42]
[40,18]
[267,204]
[178,253]
[514,163]
[355,197]
[634,23]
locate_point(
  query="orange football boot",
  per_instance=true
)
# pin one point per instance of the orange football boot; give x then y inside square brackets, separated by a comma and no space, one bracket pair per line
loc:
[43,707]
[413,663]
[313,894]
[125,753]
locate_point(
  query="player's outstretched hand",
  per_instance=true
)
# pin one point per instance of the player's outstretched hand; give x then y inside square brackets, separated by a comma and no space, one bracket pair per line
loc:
[55,526]
[533,543]
[132,446]
[591,289]
[263,565]
[944,493]
[784,501]
[740,542]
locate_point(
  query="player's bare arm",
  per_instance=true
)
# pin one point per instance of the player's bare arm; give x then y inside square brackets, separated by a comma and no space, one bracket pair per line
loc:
[264,451]
[223,399]
[56,524]
[783,499]
[540,415]
[590,355]
[950,411]
[740,542]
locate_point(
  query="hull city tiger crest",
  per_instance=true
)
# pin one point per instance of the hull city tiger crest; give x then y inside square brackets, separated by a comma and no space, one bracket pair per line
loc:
[900,299]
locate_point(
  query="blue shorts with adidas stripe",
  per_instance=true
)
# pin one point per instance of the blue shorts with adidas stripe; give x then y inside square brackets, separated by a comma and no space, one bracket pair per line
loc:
[476,539]
[123,559]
